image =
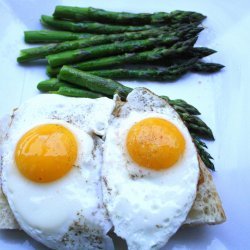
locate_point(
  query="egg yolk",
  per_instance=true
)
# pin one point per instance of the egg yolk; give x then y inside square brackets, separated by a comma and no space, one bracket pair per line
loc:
[155,143]
[46,153]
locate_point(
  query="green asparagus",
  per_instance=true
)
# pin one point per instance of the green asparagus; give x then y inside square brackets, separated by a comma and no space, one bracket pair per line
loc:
[197,52]
[52,36]
[73,56]
[196,125]
[93,14]
[179,103]
[90,26]
[69,91]
[170,73]
[43,51]
[205,67]
[52,84]
[205,156]
[101,85]
[155,74]
[149,73]
[146,56]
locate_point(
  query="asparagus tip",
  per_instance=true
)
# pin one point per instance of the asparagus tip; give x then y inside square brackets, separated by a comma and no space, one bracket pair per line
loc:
[220,66]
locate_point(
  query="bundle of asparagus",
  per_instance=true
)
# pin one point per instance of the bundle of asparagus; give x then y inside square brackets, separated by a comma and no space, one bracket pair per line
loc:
[120,39]
[96,43]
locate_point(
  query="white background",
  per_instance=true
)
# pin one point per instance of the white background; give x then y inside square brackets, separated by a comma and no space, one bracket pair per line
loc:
[222,98]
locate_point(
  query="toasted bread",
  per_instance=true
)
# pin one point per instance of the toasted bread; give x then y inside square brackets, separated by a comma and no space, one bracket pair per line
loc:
[7,220]
[207,207]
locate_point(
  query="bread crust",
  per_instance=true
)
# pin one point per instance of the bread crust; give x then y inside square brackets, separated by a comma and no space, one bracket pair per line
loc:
[207,207]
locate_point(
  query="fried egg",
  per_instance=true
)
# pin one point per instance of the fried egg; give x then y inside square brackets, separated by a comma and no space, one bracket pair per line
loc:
[150,171]
[51,170]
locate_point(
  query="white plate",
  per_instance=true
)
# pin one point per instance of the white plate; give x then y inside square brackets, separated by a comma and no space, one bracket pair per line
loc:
[223,99]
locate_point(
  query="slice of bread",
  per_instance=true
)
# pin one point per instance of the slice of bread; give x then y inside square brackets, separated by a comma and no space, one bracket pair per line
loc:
[7,220]
[207,207]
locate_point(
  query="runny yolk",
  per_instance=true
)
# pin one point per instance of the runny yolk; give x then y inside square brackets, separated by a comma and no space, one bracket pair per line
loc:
[46,153]
[155,143]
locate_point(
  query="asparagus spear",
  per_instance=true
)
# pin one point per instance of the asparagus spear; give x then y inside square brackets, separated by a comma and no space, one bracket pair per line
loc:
[196,125]
[69,91]
[52,36]
[93,14]
[42,51]
[207,67]
[170,73]
[99,51]
[52,84]
[152,74]
[90,26]
[56,86]
[177,103]
[156,74]
[146,56]
[85,80]
[205,156]
[197,52]
[191,54]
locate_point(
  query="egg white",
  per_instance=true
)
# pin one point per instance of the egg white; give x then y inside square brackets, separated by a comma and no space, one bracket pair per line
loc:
[146,207]
[67,213]
[90,115]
